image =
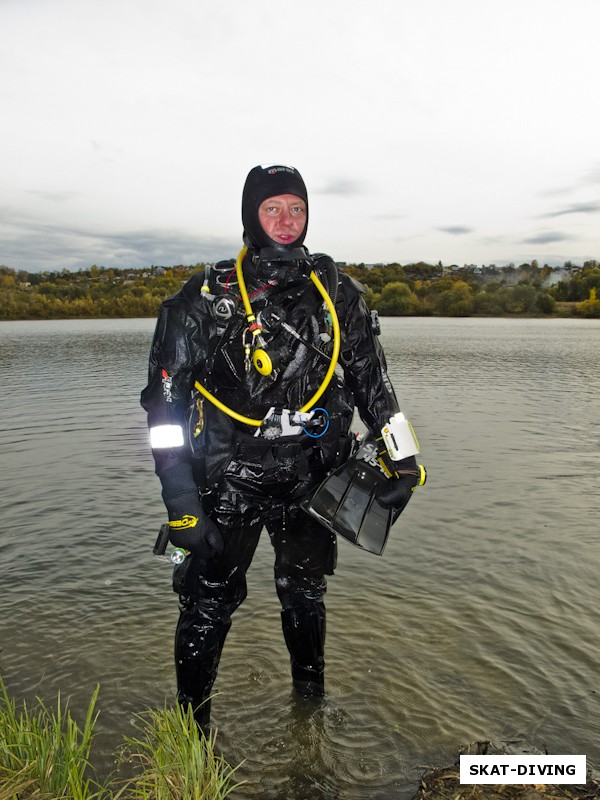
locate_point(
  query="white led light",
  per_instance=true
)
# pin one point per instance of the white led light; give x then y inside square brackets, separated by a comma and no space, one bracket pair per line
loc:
[163,436]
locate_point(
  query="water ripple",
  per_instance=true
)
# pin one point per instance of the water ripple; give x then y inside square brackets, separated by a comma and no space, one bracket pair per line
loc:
[480,621]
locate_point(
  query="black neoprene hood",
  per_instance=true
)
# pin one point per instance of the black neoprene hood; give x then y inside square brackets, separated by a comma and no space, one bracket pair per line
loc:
[262,183]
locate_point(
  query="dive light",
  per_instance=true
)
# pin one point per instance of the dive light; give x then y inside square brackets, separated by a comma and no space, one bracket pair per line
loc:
[177,554]
[400,438]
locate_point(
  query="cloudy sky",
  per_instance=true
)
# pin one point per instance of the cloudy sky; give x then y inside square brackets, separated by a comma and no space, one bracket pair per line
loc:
[461,131]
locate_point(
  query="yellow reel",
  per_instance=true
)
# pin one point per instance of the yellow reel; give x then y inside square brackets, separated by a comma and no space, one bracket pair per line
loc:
[262,361]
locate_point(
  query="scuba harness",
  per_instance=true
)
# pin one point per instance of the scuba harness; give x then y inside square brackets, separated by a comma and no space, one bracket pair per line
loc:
[346,502]
[263,362]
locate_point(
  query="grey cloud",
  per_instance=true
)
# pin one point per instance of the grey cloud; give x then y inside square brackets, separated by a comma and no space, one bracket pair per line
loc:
[168,247]
[104,149]
[455,230]
[593,176]
[411,237]
[38,246]
[494,241]
[54,197]
[388,217]
[575,208]
[546,238]
[342,186]
[557,191]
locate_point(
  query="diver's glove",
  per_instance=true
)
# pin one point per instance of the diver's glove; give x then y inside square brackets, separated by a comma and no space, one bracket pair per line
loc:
[192,530]
[189,526]
[398,488]
[396,451]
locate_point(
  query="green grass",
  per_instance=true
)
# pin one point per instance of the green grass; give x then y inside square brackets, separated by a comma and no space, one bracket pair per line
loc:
[45,755]
[174,761]
[43,752]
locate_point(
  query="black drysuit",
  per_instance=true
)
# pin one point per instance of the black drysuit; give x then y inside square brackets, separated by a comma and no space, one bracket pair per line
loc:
[248,482]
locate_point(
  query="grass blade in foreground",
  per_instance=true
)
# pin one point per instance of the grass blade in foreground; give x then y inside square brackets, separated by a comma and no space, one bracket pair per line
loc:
[44,753]
[175,761]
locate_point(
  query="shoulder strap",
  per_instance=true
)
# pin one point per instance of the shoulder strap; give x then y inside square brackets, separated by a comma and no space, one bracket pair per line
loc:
[327,271]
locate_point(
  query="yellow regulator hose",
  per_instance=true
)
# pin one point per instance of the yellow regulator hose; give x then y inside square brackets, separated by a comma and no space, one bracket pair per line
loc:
[251,319]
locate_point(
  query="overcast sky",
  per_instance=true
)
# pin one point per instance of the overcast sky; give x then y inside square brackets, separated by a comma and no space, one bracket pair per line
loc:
[461,131]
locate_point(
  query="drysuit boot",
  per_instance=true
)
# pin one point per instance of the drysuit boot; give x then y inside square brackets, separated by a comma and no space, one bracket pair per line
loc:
[304,633]
[199,641]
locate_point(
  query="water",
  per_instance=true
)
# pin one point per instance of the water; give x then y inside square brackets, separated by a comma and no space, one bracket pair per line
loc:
[479,622]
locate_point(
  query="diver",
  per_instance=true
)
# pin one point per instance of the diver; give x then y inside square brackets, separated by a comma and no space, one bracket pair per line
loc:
[256,367]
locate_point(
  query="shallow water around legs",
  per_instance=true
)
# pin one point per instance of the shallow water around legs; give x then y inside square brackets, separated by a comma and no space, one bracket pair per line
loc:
[480,621]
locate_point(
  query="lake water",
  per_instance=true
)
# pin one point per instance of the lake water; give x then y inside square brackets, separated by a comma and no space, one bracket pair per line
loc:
[481,620]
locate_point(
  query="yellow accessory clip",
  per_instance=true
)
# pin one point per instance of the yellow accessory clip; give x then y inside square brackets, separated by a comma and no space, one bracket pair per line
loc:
[187,521]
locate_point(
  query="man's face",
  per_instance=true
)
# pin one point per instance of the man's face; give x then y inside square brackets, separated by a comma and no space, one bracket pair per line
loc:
[283,217]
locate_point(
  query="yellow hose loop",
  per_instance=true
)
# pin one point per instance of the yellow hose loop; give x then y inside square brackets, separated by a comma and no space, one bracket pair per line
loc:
[240,417]
[249,313]
[336,343]
[242,284]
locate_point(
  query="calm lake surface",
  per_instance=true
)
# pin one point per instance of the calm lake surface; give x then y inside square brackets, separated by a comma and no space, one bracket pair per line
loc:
[481,620]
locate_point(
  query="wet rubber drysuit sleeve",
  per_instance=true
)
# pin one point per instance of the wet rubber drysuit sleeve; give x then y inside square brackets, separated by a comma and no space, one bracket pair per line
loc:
[166,399]
[365,370]
[363,359]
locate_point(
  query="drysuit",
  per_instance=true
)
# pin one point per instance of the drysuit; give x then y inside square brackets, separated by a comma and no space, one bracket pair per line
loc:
[223,478]
[248,481]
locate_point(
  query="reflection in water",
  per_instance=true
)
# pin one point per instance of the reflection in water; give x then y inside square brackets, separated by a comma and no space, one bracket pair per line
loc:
[480,620]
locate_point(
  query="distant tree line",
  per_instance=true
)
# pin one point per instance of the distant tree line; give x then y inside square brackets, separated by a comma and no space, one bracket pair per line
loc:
[425,290]
[88,293]
[393,289]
